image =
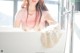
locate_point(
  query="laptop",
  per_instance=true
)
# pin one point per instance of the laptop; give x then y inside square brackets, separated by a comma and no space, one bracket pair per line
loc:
[27,42]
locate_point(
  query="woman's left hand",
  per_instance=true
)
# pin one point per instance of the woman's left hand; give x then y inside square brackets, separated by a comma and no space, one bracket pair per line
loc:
[37,28]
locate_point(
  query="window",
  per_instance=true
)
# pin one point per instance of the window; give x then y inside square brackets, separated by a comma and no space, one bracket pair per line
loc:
[6,13]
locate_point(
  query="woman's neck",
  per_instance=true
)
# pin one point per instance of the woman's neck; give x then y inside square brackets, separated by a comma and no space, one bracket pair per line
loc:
[32,8]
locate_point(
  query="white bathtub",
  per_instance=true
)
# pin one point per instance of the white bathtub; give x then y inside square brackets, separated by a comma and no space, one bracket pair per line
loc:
[16,41]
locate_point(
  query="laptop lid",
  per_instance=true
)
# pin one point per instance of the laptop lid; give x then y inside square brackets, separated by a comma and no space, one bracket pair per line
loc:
[26,42]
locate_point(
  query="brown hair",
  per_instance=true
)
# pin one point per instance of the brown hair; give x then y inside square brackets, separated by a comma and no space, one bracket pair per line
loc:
[40,6]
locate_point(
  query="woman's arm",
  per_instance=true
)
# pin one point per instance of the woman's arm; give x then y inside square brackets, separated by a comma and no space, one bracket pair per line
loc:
[16,23]
[17,20]
[49,19]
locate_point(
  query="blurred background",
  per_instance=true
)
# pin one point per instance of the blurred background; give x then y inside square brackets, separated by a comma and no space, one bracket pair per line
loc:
[66,12]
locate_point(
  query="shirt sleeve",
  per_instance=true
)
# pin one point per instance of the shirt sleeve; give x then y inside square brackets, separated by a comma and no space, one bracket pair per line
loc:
[49,18]
[19,14]
[18,17]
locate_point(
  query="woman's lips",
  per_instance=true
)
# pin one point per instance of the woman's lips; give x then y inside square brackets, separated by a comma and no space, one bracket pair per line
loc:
[33,0]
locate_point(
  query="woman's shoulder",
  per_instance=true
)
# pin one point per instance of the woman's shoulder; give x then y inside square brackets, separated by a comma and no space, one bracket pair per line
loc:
[20,13]
[45,13]
[22,10]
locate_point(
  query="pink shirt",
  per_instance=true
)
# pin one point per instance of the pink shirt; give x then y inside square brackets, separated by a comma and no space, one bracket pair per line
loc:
[30,21]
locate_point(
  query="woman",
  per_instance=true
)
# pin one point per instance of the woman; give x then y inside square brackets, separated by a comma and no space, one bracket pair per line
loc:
[33,15]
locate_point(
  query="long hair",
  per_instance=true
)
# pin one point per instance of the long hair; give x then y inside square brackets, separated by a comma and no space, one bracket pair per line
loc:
[40,6]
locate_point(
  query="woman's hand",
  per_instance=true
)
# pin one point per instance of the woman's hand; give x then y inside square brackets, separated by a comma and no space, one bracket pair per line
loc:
[51,35]
[37,28]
